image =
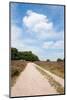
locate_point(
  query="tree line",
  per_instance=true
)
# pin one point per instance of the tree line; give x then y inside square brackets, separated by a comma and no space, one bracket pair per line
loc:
[27,55]
[23,55]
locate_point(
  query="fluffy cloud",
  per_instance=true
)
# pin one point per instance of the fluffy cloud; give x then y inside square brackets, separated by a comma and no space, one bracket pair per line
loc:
[40,26]
[54,45]
[37,22]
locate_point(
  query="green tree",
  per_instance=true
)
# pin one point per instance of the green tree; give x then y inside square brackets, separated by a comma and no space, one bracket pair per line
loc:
[59,60]
[25,55]
[14,54]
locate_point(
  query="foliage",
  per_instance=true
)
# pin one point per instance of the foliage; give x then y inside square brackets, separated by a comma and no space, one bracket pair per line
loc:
[14,53]
[26,55]
[59,60]
[53,66]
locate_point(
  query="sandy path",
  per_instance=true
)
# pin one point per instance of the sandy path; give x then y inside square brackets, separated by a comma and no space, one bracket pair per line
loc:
[55,77]
[32,82]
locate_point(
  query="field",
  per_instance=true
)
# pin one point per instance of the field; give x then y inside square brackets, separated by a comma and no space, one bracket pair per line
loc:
[54,67]
[17,66]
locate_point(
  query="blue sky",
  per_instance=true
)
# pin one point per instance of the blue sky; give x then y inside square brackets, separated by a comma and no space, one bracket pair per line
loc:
[38,28]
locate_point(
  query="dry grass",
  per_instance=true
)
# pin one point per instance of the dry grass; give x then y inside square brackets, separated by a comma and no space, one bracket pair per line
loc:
[54,67]
[53,83]
[17,66]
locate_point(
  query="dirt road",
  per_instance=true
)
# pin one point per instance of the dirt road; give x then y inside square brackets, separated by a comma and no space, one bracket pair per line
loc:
[32,82]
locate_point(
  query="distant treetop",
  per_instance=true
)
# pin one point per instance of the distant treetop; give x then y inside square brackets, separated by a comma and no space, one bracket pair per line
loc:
[59,60]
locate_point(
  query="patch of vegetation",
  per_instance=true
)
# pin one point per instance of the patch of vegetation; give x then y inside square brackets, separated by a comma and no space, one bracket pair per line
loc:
[25,55]
[54,67]
[53,83]
[59,60]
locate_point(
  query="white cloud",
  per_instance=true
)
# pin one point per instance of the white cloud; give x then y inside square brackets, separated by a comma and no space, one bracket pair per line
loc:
[40,26]
[54,45]
[37,22]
